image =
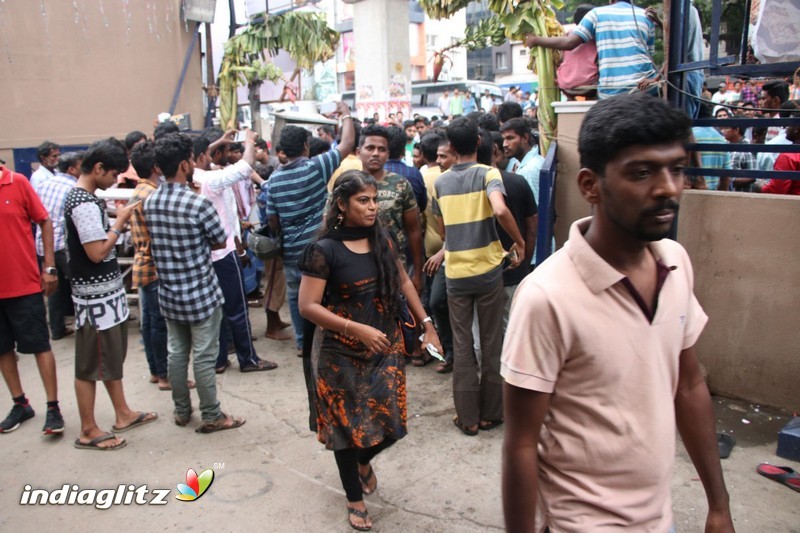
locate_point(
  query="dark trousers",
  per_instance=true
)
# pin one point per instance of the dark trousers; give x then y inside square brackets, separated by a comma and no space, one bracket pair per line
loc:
[441,313]
[59,304]
[154,330]
[231,280]
[477,399]
[348,460]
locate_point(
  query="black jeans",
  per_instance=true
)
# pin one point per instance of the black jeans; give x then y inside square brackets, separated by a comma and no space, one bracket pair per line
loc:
[348,460]
[441,313]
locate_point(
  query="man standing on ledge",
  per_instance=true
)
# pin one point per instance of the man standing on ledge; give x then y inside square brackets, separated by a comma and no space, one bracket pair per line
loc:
[599,355]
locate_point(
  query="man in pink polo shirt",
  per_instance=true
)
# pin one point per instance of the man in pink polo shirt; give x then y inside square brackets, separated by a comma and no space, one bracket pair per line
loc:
[599,357]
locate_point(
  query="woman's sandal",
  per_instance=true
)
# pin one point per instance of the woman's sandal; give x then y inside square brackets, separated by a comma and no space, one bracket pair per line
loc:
[365,480]
[364,515]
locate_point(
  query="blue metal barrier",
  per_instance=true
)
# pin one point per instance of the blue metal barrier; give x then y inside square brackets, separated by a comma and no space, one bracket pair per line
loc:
[546,207]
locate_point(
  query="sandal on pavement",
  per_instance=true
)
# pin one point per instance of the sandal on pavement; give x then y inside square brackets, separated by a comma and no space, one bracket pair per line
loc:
[490,424]
[421,360]
[94,443]
[365,482]
[261,366]
[364,515]
[223,368]
[444,368]
[219,424]
[782,474]
[182,421]
[464,429]
[142,419]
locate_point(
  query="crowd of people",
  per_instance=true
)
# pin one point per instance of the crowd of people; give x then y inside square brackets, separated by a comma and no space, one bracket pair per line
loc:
[400,243]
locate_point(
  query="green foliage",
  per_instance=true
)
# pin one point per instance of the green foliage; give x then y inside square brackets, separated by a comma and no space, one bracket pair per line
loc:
[442,9]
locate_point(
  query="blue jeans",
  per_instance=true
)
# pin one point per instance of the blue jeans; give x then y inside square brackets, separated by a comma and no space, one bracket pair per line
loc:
[693,85]
[201,341]
[231,281]
[292,273]
[154,330]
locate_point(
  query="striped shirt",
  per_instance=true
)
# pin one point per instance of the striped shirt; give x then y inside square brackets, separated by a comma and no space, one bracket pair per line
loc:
[473,253]
[625,44]
[53,194]
[709,135]
[297,195]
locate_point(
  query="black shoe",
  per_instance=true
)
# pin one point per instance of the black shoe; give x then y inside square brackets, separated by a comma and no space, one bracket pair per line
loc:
[17,415]
[53,422]
[261,366]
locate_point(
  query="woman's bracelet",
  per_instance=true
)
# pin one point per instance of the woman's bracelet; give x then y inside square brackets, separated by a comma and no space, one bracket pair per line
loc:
[243,254]
[345,327]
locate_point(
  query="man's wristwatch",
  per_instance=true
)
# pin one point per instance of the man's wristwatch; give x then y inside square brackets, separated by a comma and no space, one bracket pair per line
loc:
[427,319]
[50,270]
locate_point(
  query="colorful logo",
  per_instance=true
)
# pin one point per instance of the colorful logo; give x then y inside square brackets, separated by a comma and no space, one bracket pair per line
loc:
[195,485]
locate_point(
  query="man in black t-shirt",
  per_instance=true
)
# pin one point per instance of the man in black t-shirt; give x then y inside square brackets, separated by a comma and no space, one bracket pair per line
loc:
[101,307]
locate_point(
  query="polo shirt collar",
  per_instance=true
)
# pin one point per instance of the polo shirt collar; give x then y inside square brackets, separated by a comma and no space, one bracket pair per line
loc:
[596,273]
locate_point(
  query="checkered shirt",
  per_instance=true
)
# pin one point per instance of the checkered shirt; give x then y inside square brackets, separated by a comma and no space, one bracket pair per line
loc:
[144,268]
[53,194]
[183,226]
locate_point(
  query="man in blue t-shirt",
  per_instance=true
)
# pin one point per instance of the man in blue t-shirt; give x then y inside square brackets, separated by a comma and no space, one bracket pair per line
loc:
[296,199]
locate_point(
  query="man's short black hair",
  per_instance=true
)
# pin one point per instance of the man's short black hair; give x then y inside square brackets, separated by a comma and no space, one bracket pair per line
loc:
[143,159]
[777,88]
[374,130]
[165,128]
[485,149]
[429,144]
[508,110]
[171,151]
[616,123]
[463,136]
[236,147]
[317,145]
[328,129]
[109,152]
[489,122]
[422,119]
[133,137]
[581,12]
[293,140]
[69,159]
[200,145]
[44,149]
[260,143]
[397,142]
[409,123]
[788,108]
[497,139]
[518,126]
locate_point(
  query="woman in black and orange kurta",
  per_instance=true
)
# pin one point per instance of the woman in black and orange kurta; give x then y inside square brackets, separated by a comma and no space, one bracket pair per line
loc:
[358,361]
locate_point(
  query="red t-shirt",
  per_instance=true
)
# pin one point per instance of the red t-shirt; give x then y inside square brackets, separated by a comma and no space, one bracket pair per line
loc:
[784,162]
[19,206]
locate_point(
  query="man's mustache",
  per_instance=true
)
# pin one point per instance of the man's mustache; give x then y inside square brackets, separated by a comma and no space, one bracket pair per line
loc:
[666,205]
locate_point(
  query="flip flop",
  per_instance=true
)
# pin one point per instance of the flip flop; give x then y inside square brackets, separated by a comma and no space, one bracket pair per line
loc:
[93,444]
[464,429]
[725,443]
[189,384]
[490,424]
[140,421]
[782,474]
[365,482]
[360,514]
[219,424]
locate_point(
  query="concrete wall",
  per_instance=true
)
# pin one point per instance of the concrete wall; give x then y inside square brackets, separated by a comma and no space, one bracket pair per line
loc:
[746,257]
[74,72]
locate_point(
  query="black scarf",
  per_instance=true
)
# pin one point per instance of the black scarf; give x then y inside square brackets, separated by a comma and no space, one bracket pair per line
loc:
[349,233]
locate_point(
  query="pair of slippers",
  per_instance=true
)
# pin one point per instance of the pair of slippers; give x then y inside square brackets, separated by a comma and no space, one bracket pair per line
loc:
[782,474]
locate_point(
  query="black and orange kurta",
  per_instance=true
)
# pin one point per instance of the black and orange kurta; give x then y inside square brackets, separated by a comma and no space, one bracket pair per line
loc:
[360,396]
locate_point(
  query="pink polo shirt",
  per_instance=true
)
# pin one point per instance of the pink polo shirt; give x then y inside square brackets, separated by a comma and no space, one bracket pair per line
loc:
[607,444]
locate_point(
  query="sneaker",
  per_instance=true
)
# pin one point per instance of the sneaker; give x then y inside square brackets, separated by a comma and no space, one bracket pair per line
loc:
[17,415]
[53,422]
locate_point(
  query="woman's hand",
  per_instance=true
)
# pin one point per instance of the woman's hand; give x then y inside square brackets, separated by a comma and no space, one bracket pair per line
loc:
[375,340]
[431,337]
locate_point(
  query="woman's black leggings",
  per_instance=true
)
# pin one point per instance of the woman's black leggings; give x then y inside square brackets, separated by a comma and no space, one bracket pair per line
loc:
[348,460]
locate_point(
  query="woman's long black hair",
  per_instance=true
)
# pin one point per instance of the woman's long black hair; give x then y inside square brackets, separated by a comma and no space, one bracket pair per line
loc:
[383,246]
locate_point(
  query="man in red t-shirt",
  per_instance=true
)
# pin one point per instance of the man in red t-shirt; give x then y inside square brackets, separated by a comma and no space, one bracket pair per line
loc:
[786,161]
[22,316]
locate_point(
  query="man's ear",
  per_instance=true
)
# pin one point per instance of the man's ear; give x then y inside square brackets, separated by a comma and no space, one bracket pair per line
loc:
[589,185]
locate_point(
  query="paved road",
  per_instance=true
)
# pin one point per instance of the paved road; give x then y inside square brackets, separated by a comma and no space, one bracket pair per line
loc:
[272,475]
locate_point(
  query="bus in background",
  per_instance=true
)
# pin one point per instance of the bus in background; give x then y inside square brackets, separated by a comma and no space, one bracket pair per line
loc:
[425,94]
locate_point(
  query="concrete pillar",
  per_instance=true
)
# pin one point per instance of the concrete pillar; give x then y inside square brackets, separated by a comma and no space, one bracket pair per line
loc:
[383,78]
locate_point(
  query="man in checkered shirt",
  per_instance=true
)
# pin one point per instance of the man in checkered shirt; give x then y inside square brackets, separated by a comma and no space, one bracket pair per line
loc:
[184,228]
[53,194]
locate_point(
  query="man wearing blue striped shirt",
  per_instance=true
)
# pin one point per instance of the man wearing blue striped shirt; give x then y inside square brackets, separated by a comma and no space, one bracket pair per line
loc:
[296,200]
[625,39]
